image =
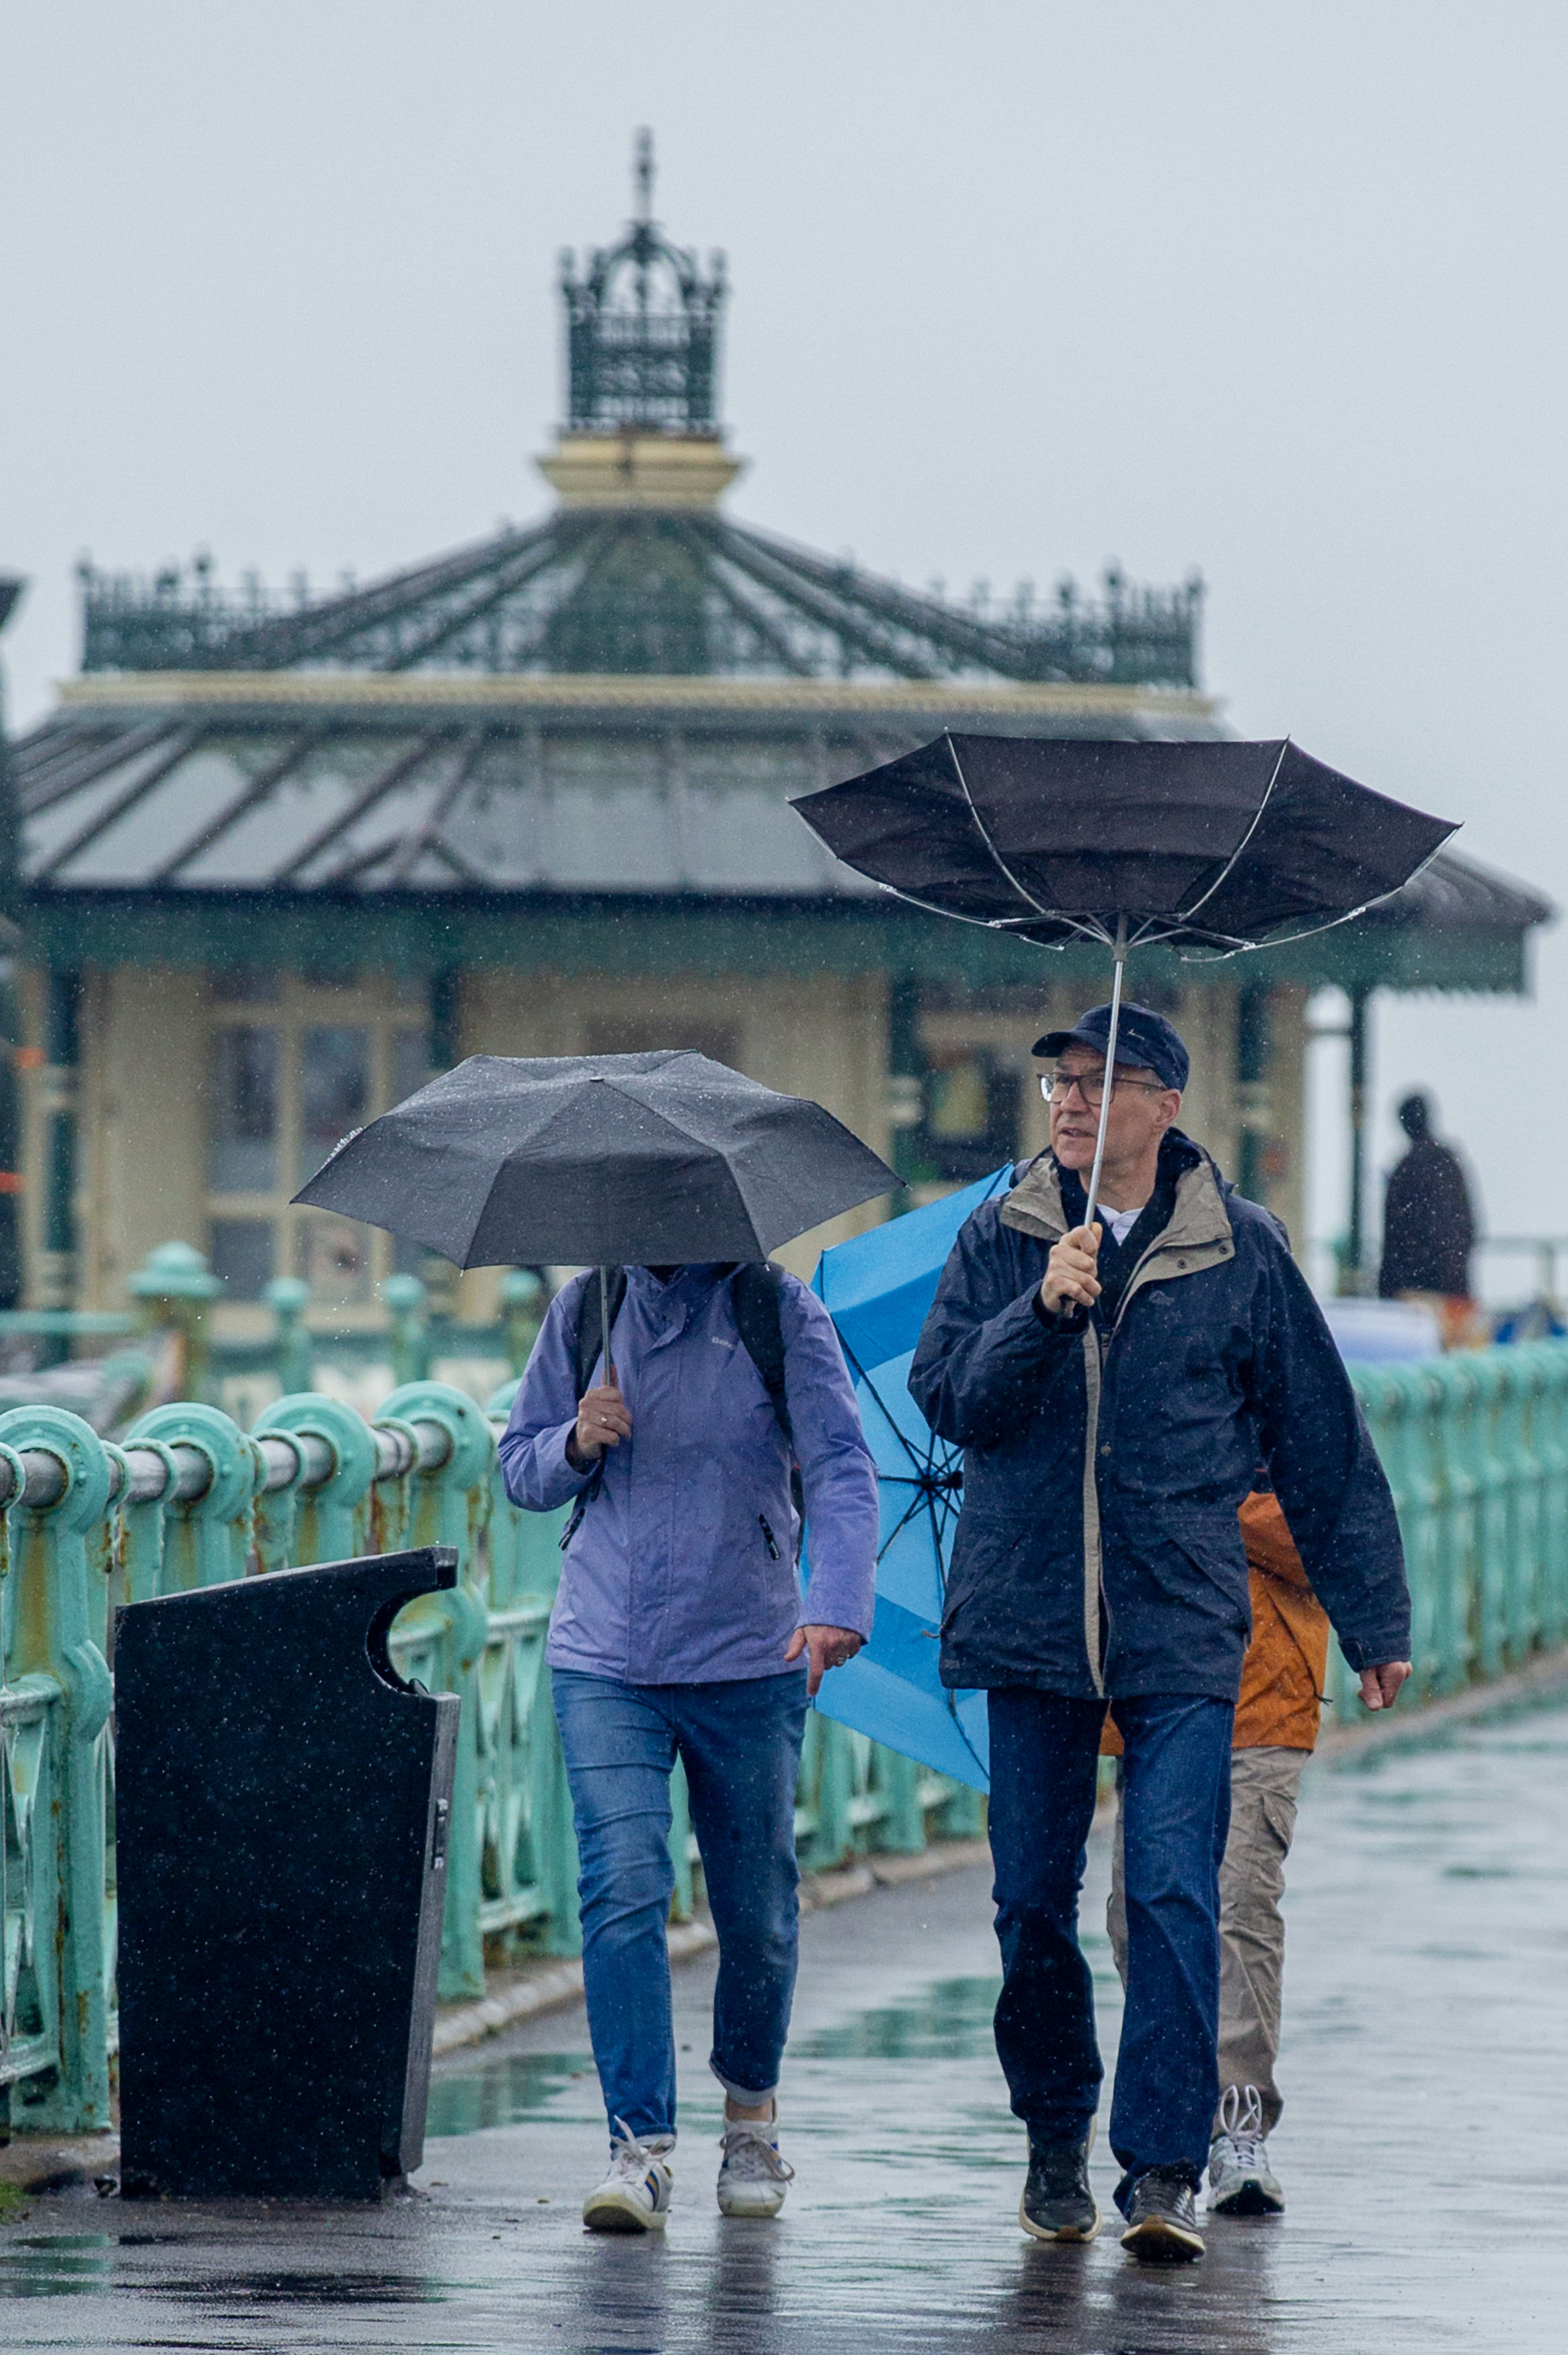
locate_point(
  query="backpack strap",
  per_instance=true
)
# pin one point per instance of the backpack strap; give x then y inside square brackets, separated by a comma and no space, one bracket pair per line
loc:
[754,1290]
[587,1345]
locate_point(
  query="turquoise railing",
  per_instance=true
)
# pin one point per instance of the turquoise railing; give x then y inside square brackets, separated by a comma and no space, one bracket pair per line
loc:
[187,1499]
[1475,1447]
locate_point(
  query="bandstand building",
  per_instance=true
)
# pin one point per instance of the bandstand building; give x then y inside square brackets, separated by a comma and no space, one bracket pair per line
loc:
[280,858]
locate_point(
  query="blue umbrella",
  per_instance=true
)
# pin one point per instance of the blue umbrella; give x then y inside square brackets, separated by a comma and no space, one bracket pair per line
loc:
[877,1289]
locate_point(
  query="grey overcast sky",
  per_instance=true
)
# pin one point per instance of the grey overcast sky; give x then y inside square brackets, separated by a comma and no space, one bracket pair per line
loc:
[1272,290]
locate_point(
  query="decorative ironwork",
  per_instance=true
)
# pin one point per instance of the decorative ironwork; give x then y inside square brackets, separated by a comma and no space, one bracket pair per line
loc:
[637,589]
[628,590]
[642,333]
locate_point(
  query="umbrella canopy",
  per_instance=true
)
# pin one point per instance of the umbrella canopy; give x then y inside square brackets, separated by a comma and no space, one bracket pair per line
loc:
[877,1289]
[1223,844]
[649,1159]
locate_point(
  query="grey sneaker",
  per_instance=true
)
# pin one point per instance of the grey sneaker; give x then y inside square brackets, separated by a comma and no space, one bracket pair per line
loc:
[635,2195]
[1057,2204]
[752,2178]
[1241,2181]
[1162,2224]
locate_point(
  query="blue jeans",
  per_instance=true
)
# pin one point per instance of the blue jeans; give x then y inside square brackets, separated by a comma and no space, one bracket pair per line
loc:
[740,1745]
[1044,1757]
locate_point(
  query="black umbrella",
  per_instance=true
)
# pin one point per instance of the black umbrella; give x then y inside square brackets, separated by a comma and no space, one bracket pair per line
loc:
[1217,846]
[653,1159]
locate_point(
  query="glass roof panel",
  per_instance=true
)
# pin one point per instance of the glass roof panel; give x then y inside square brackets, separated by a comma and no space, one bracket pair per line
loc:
[749,839]
[133,848]
[318,789]
[612,838]
[47,833]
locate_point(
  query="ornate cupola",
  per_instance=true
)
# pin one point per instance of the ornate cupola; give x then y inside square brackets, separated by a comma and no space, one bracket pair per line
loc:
[642,366]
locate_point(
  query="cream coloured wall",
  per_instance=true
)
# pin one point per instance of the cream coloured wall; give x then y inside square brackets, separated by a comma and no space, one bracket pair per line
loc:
[141,1131]
[1206,1019]
[1287,1113]
[811,1034]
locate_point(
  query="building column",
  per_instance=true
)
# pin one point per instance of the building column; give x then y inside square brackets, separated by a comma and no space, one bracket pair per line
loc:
[1353,1274]
[906,1077]
[12,1143]
[52,1274]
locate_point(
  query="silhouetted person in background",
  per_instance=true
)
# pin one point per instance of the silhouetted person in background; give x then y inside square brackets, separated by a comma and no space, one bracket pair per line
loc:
[1429,1227]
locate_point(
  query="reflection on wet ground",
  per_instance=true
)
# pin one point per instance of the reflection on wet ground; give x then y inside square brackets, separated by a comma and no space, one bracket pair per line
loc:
[1424,2149]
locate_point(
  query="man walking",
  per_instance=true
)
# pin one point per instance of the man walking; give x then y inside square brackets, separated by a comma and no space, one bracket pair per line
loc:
[679,1631]
[1429,1226]
[1112,1393]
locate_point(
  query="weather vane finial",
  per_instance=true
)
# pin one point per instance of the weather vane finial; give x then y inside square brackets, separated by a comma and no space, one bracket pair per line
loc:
[643,175]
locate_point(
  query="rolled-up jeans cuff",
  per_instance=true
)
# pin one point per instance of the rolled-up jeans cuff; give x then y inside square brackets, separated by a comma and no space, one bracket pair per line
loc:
[742,2094]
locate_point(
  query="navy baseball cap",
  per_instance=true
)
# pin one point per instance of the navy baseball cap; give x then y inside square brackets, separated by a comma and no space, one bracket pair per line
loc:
[1142,1036]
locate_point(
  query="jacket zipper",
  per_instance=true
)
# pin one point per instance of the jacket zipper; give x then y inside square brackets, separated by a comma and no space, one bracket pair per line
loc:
[768,1539]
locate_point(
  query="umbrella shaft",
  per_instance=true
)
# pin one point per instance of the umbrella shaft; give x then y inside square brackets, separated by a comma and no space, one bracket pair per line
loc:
[609,1373]
[1121,967]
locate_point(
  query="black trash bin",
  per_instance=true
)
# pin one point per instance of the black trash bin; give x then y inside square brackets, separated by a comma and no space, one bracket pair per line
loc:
[282,1806]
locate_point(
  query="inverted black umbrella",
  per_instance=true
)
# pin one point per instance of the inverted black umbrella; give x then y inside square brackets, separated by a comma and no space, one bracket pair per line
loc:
[651,1159]
[1216,846]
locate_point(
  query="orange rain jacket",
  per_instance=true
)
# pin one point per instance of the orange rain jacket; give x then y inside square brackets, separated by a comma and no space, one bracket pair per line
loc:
[1287,1659]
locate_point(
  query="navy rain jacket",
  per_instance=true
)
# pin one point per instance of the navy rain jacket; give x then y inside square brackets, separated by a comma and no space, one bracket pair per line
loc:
[1098,1550]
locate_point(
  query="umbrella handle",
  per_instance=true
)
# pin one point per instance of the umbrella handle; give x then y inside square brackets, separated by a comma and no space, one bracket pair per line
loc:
[604,1323]
[1121,967]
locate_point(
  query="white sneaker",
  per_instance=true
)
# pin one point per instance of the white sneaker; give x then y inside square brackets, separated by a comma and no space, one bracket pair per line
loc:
[752,2178]
[635,2195]
[1241,2181]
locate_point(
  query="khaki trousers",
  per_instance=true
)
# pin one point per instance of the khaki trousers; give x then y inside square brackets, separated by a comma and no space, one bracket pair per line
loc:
[1264,1789]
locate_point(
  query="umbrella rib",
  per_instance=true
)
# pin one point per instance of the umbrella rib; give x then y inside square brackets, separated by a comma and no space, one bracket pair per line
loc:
[1188,914]
[893,1535]
[984,831]
[1329,924]
[858,1369]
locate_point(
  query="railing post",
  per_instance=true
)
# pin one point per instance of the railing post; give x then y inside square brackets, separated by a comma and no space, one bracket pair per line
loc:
[51,1644]
[405,1296]
[288,1297]
[330,1518]
[450,1504]
[207,1538]
[1452,1435]
[524,1559]
[172,1287]
[1485,1379]
[1516,1381]
[1551,1433]
[827,1785]
[523,1305]
[901,1831]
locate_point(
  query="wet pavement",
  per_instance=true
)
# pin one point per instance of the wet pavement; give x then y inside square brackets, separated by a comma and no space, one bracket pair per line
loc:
[1423,2150]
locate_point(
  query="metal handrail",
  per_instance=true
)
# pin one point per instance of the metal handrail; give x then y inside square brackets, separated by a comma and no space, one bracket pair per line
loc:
[184,1473]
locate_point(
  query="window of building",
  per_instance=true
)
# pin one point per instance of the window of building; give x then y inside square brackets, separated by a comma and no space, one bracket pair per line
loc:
[626,1035]
[282,1093]
[242,1255]
[971,1116]
[242,1128]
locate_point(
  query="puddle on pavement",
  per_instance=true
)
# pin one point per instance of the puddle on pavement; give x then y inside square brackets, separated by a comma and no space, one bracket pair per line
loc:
[948,2020]
[945,2019]
[70,2264]
[509,2090]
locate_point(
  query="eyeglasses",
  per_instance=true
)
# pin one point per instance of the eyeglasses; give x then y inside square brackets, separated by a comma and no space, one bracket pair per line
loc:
[1091,1086]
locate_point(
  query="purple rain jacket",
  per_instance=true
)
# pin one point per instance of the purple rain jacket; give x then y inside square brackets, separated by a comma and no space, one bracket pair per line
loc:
[682,1570]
